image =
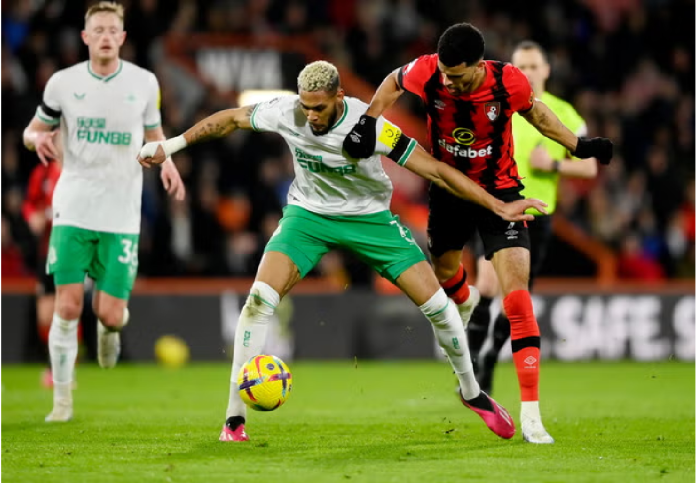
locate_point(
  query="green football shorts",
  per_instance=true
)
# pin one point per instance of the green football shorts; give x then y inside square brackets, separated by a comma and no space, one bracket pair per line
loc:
[379,239]
[110,259]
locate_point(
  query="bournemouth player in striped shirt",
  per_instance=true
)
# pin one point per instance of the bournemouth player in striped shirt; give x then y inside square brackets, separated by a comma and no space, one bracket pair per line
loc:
[541,163]
[470,103]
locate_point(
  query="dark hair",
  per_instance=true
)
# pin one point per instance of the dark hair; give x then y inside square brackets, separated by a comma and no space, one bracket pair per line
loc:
[461,43]
[531,45]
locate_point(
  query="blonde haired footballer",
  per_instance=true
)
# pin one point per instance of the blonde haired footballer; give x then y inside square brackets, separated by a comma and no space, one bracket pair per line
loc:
[336,201]
[102,109]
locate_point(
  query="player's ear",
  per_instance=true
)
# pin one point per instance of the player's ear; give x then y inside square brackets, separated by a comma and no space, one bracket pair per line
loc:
[122,39]
[339,94]
[83,34]
[481,65]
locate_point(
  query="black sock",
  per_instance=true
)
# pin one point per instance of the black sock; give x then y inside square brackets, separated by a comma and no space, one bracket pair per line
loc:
[234,422]
[488,360]
[501,332]
[478,326]
[481,402]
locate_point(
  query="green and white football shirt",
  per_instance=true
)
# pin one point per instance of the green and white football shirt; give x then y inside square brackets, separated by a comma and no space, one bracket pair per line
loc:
[102,122]
[327,182]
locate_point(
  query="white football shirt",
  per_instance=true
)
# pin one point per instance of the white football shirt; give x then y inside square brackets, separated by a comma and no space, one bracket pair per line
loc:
[326,181]
[102,122]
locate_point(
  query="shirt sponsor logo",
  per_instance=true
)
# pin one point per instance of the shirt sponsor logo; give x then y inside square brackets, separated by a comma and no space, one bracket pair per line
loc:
[92,130]
[464,136]
[465,152]
[313,163]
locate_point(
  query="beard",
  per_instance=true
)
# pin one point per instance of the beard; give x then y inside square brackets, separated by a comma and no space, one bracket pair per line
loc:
[332,121]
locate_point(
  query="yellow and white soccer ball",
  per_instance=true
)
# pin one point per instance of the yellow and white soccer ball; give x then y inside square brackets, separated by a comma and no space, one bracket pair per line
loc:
[264,383]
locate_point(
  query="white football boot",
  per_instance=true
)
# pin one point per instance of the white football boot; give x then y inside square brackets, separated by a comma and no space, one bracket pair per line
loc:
[62,411]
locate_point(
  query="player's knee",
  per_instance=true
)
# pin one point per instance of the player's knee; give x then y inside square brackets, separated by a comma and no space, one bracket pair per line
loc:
[444,271]
[68,308]
[111,318]
[262,301]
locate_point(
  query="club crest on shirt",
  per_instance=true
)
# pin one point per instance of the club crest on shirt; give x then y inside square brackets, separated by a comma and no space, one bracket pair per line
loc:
[492,110]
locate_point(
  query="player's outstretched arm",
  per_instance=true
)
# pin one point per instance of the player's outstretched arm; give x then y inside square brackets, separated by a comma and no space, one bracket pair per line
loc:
[171,179]
[360,142]
[454,181]
[40,137]
[548,124]
[385,96]
[218,125]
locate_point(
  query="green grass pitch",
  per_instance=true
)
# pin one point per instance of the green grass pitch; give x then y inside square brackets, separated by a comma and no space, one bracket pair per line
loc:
[347,422]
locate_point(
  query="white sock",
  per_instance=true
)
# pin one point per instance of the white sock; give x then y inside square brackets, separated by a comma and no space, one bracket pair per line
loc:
[450,334]
[250,337]
[530,410]
[62,345]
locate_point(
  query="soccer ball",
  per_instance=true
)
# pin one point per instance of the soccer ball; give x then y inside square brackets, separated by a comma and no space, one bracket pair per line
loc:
[264,383]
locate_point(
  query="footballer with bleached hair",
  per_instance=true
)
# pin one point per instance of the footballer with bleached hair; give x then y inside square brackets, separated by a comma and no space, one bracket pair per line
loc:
[321,95]
[337,201]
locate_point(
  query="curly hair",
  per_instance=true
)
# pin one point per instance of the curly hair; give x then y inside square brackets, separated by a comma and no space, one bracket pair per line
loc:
[461,43]
[319,76]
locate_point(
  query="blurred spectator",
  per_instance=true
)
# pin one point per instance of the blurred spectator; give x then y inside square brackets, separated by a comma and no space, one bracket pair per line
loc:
[635,263]
[628,66]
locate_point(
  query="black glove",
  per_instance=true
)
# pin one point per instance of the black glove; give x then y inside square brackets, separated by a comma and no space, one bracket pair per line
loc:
[360,142]
[600,148]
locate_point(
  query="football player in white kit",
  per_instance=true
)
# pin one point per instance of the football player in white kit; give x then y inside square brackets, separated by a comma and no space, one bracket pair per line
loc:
[104,107]
[336,201]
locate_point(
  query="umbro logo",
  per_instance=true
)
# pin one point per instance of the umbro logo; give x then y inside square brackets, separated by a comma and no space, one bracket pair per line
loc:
[130,98]
[530,361]
[294,133]
[511,233]
[439,104]
[79,97]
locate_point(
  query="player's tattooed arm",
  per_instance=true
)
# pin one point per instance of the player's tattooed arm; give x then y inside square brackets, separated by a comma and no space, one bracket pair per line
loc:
[548,124]
[220,124]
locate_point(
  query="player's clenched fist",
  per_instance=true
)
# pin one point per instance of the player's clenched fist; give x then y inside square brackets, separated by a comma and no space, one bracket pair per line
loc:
[152,153]
[600,148]
[360,142]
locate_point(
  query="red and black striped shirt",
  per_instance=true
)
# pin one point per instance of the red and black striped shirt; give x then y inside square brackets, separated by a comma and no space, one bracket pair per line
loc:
[473,131]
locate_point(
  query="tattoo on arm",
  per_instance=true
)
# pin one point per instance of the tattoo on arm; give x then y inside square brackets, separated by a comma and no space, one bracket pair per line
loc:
[548,124]
[249,110]
[219,124]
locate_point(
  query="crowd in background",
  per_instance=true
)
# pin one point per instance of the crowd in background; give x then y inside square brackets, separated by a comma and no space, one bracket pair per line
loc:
[627,66]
